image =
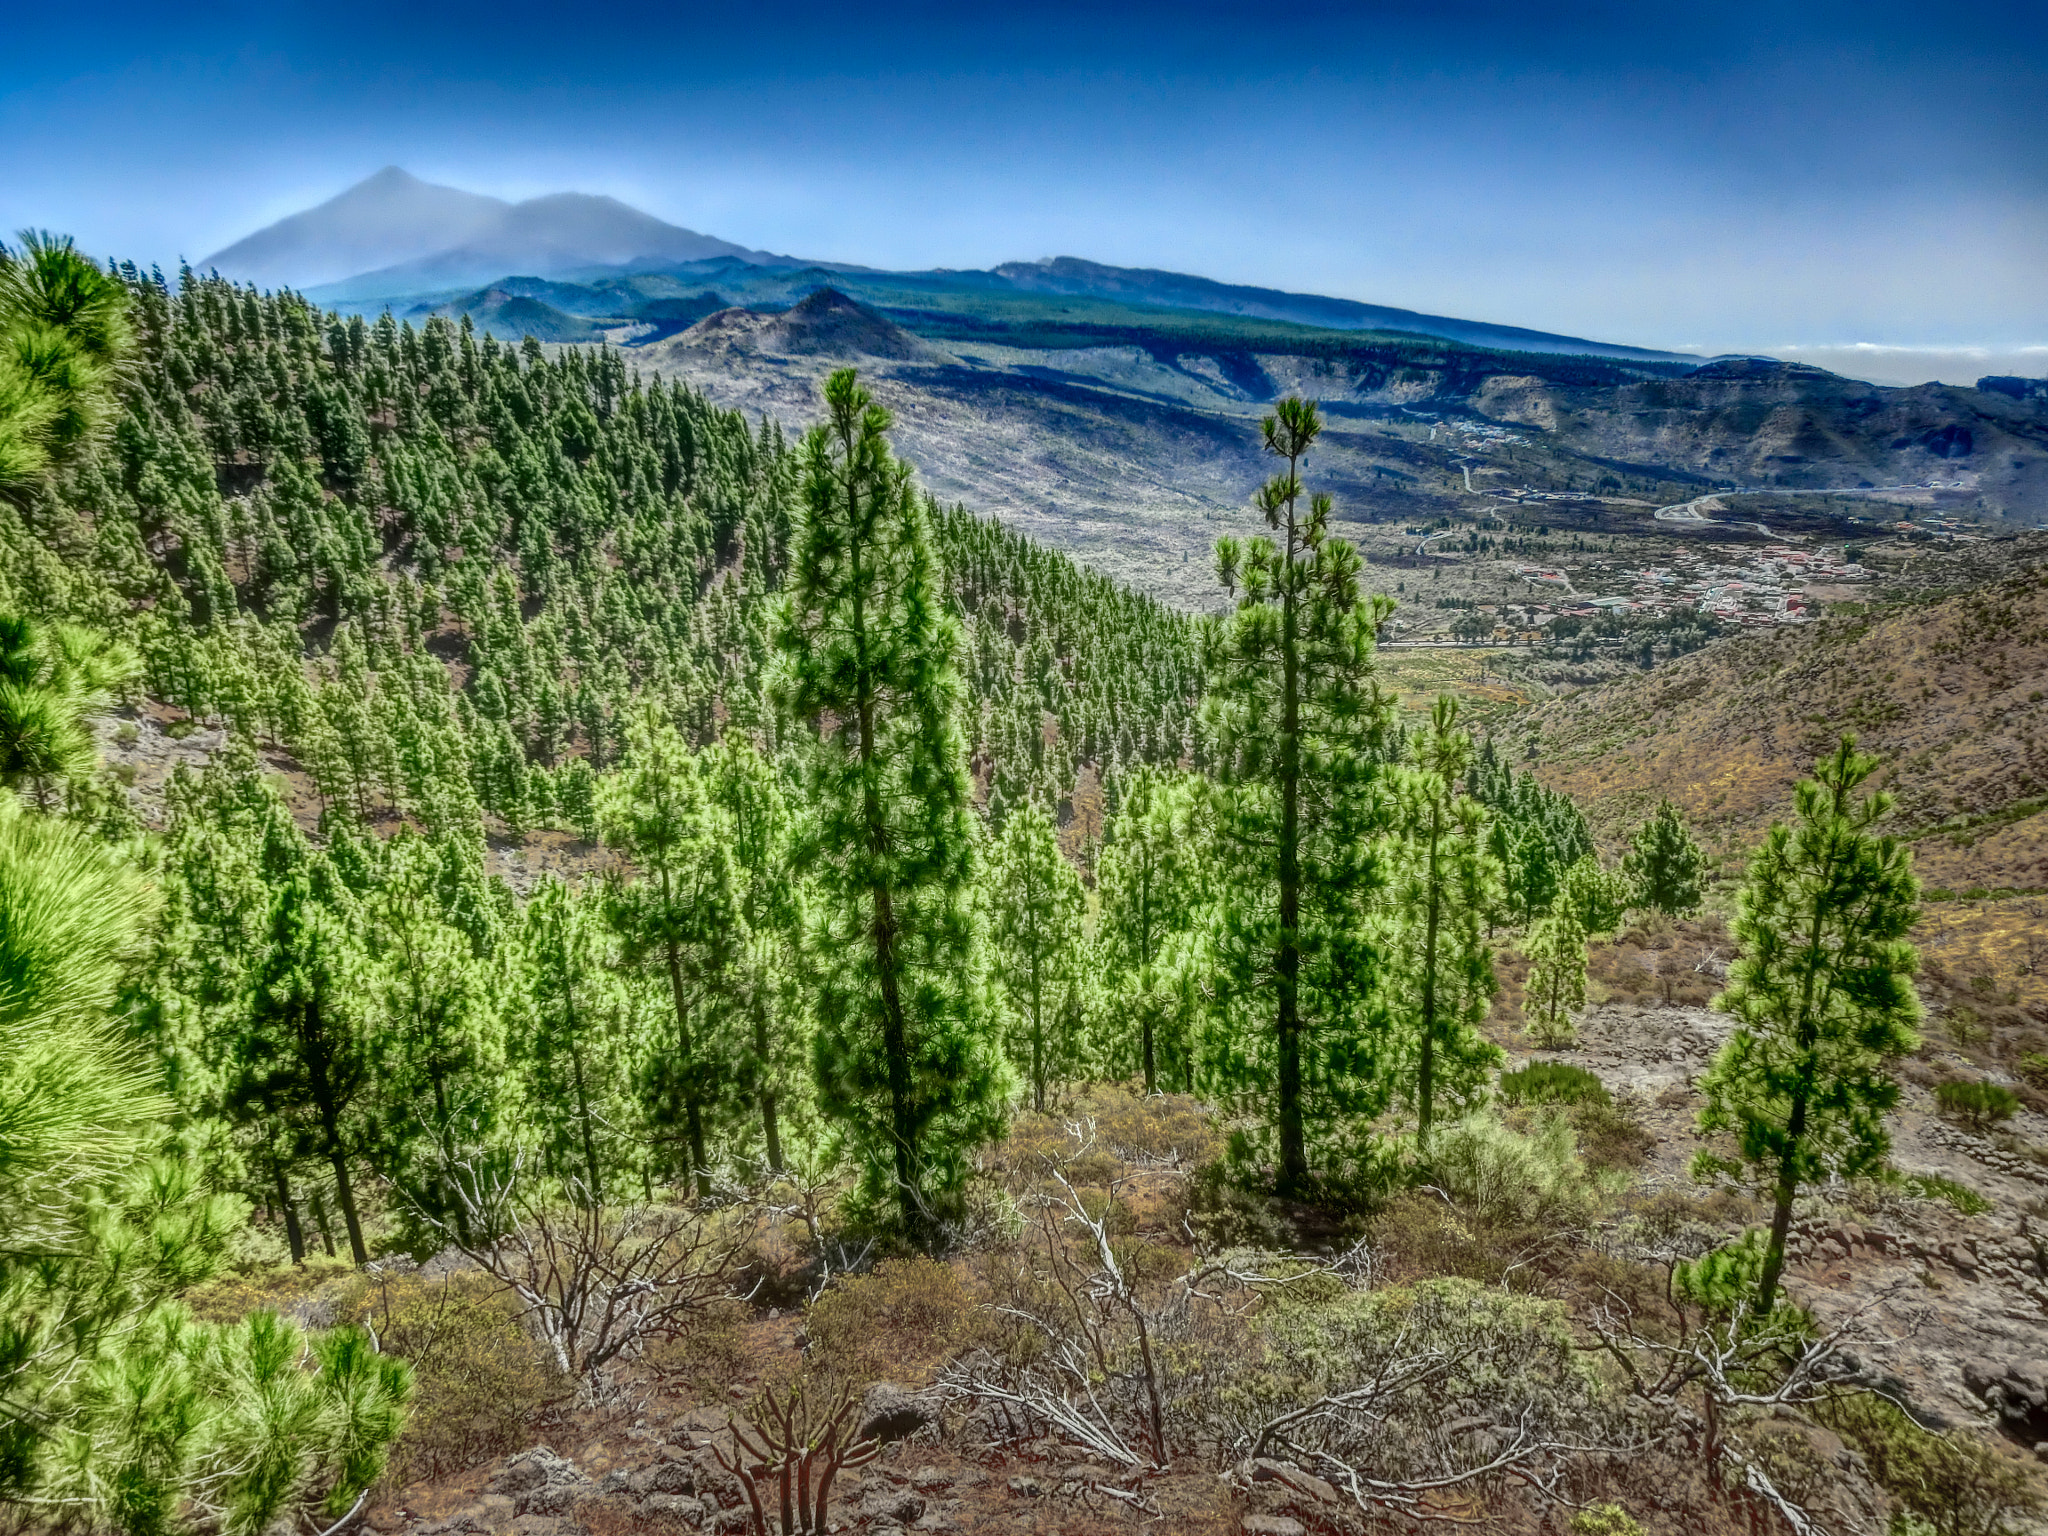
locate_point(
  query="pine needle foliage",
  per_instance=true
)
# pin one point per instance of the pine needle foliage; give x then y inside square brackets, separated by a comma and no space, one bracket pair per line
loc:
[1440,965]
[1035,912]
[1667,868]
[1298,731]
[905,1065]
[1822,996]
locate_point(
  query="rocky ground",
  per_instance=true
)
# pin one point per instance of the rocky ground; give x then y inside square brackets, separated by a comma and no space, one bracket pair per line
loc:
[1953,1308]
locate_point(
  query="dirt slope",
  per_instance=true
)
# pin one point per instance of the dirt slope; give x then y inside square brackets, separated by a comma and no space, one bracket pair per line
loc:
[1952,695]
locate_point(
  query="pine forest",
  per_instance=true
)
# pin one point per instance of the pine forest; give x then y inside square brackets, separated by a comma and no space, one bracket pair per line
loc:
[521,886]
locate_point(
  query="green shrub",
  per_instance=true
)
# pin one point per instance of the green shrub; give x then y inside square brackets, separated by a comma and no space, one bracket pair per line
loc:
[1553,1082]
[2033,1069]
[1505,1177]
[481,1380]
[1954,1484]
[1933,1186]
[1980,1105]
[1605,1520]
[904,1317]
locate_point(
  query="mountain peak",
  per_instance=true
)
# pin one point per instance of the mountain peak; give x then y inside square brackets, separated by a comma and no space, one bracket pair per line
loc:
[392,234]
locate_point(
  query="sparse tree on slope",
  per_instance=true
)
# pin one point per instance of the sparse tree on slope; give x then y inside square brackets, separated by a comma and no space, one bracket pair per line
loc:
[1557,978]
[1298,725]
[904,1055]
[1596,898]
[1035,907]
[1822,995]
[1667,868]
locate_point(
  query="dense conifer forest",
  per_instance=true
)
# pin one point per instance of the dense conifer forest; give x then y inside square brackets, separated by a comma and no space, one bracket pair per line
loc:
[878,827]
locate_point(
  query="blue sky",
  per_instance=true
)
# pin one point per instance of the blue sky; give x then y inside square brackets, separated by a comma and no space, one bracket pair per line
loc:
[1803,179]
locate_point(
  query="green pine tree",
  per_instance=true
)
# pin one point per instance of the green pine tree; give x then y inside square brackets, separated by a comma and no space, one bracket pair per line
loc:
[1597,898]
[1822,995]
[904,1056]
[1035,908]
[1149,877]
[1666,867]
[308,1049]
[1298,727]
[1441,970]
[1556,948]
[680,923]
[575,1044]
[754,816]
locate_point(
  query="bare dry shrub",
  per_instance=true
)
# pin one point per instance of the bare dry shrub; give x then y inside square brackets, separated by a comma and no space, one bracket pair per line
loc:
[710,1354]
[479,1379]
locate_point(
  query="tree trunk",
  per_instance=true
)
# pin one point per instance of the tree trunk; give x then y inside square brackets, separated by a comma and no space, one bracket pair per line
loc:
[292,1231]
[1287,1024]
[345,1192]
[771,1129]
[320,1220]
[1781,1213]
[693,1114]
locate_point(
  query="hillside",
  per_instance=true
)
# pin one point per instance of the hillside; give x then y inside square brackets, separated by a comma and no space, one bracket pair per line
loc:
[1951,692]
[1948,692]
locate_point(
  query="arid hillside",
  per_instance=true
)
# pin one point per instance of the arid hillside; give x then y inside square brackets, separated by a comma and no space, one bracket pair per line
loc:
[1951,692]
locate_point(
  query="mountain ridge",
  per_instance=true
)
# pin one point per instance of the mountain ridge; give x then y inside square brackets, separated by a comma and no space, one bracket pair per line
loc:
[395,239]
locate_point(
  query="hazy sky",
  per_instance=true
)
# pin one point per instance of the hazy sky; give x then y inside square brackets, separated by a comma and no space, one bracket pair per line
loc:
[1865,184]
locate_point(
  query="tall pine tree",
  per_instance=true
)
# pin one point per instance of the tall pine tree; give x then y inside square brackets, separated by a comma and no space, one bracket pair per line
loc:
[1035,908]
[1150,880]
[680,923]
[1298,728]
[904,1056]
[1442,967]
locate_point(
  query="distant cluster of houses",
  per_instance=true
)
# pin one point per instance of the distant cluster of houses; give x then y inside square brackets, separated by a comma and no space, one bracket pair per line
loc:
[1769,589]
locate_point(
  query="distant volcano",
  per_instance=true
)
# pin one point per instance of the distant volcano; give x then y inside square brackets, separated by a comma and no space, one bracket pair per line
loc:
[826,324]
[395,234]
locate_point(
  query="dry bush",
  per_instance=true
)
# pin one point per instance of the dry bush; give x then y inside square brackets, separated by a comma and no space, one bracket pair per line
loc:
[1611,1136]
[897,1322]
[710,1354]
[286,1287]
[480,1380]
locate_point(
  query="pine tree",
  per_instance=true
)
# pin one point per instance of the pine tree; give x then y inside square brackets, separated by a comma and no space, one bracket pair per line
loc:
[576,1042]
[1597,898]
[307,1052]
[1298,727]
[755,818]
[1035,906]
[1442,969]
[1667,868]
[1556,949]
[440,1044]
[1822,995]
[117,1409]
[903,1054]
[680,922]
[1149,878]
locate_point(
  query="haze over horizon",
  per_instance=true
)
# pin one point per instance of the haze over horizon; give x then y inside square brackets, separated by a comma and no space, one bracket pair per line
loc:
[1864,188]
